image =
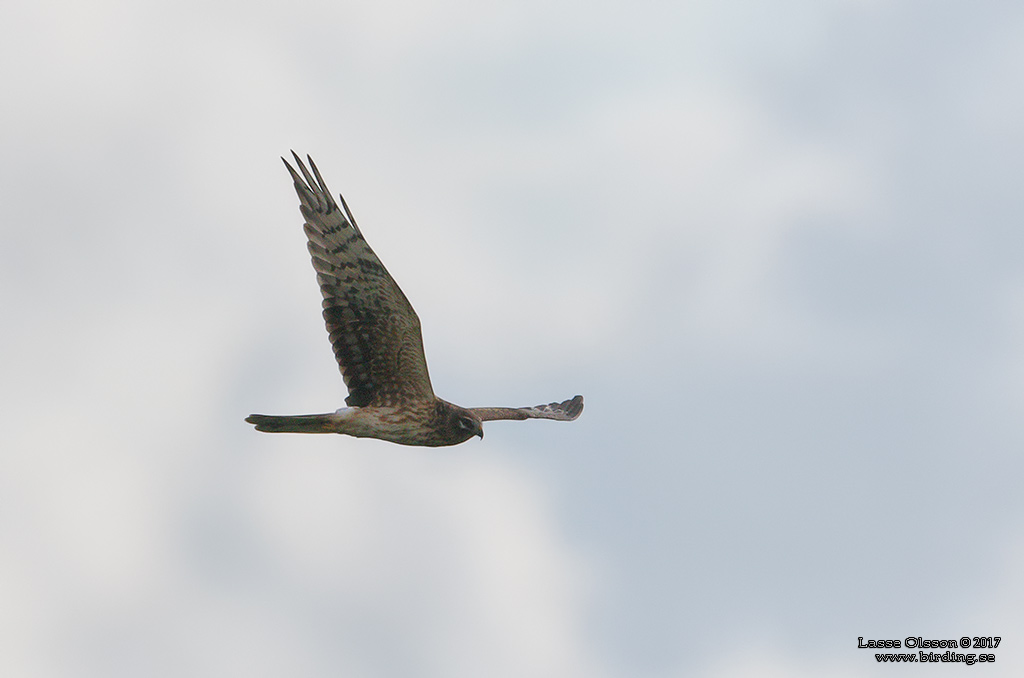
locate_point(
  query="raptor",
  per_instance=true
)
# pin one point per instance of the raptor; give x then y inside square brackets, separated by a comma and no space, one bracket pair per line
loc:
[377,342]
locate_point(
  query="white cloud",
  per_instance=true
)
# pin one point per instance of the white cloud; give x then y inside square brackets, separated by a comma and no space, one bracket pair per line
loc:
[456,555]
[607,194]
[144,529]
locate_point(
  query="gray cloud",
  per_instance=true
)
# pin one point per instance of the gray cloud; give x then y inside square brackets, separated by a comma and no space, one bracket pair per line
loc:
[777,251]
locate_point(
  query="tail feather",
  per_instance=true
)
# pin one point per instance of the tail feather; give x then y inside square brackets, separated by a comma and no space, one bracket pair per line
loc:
[305,423]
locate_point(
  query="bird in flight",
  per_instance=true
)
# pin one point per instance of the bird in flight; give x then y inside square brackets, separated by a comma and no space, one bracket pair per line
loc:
[376,338]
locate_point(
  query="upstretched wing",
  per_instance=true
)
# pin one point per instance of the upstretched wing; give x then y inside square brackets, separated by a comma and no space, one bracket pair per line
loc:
[373,328]
[564,411]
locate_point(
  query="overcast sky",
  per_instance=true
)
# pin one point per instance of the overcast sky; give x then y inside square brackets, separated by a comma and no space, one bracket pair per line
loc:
[777,246]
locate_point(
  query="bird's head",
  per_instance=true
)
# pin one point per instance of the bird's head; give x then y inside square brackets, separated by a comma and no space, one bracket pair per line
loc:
[462,424]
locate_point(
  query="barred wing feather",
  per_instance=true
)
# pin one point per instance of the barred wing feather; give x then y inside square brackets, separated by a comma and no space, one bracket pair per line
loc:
[563,411]
[373,328]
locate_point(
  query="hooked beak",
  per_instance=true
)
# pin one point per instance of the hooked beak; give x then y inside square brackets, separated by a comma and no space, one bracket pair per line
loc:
[481,433]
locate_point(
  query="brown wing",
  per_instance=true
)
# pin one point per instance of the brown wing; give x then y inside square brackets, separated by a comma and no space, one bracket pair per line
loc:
[564,411]
[374,330]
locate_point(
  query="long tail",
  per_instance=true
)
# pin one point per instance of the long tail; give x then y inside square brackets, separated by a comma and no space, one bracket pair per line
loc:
[305,423]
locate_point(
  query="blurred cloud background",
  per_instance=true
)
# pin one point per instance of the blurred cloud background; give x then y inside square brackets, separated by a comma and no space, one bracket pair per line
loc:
[777,246]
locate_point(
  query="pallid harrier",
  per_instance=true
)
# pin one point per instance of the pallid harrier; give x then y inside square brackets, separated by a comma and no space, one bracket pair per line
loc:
[376,338]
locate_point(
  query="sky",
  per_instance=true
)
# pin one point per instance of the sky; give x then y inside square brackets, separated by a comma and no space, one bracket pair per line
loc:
[776,246]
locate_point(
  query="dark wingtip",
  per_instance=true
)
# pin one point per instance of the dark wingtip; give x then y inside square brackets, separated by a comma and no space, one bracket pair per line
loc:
[291,170]
[574,407]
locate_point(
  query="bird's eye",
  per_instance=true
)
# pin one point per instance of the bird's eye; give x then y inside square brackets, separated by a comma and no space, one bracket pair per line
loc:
[465,423]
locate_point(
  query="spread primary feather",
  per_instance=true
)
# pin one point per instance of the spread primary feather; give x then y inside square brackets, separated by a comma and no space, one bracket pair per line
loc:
[375,334]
